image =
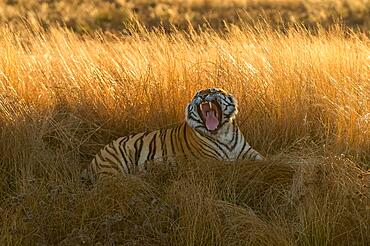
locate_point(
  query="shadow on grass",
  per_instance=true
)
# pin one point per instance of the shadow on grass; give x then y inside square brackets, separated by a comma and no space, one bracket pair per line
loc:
[287,201]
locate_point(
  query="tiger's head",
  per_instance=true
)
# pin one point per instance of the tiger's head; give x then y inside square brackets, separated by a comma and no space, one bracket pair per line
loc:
[210,110]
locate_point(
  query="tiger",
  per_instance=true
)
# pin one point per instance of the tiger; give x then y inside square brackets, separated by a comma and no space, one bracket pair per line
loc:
[208,132]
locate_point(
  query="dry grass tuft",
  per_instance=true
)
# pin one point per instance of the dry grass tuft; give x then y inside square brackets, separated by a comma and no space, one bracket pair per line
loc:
[308,202]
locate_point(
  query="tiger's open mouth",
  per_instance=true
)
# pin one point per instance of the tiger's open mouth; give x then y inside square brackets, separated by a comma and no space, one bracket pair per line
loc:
[210,113]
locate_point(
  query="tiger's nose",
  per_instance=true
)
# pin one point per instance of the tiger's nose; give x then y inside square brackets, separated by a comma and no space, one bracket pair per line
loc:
[208,98]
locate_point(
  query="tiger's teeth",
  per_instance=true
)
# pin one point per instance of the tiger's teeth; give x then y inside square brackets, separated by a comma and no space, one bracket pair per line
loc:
[210,104]
[201,105]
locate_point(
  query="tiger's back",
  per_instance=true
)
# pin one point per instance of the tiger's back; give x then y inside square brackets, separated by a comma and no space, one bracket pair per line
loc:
[129,154]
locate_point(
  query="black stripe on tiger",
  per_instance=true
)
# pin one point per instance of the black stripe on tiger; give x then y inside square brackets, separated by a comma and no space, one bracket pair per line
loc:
[152,147]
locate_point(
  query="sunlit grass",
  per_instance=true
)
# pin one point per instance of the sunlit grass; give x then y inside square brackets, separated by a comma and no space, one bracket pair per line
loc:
[289,88]
[303,102]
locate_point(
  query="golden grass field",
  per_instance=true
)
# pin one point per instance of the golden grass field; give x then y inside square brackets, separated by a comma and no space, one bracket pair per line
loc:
[304,102]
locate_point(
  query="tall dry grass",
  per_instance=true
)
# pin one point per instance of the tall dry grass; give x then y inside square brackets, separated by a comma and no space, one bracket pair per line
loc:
[303,102]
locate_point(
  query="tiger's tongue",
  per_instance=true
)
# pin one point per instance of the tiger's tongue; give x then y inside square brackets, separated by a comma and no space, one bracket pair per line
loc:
[211,120]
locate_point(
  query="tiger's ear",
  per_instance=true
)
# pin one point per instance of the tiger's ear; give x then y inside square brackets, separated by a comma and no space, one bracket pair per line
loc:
[189,107]
[234,101]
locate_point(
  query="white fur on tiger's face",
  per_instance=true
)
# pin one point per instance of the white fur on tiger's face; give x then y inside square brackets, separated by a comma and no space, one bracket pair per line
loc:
[210,110]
